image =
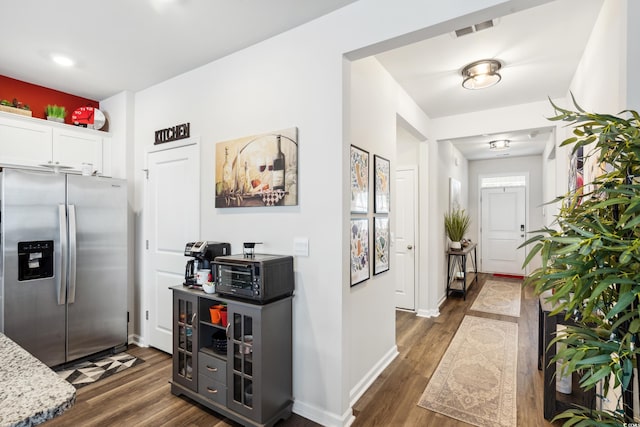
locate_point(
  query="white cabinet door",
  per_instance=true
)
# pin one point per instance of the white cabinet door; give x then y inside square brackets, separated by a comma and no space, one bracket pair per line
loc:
[23,143]
[73,147]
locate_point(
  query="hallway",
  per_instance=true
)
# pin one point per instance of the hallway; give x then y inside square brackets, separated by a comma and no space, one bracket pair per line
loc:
[392,399]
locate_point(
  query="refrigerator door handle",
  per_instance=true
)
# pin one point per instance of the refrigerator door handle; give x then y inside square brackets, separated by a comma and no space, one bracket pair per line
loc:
[72,254]
[62,265]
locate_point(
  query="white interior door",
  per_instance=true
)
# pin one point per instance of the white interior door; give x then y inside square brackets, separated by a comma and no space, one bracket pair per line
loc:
[503,229]
[172,218]
[405,231]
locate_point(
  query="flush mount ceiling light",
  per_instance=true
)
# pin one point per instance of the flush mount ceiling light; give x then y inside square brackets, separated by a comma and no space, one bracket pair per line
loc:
[499,144]
[481,74]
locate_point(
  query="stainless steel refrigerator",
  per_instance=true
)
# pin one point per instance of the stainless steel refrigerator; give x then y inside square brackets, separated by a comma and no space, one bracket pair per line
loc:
[63,289]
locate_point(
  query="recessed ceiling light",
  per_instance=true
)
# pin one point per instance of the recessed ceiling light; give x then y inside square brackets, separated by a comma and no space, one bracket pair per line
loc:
[62,60]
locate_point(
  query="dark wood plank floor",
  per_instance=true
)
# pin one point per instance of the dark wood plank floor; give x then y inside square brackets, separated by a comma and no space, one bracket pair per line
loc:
[393,397]
[140,396]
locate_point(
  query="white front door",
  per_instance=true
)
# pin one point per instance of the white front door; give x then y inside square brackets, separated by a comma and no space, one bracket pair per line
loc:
[172,218]
[503,229]
[405,206]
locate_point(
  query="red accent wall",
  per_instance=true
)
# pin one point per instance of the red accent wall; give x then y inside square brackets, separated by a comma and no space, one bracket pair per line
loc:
[38,97]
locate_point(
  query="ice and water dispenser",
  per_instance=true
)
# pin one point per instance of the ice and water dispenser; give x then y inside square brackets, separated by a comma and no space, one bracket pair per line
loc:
[35,260]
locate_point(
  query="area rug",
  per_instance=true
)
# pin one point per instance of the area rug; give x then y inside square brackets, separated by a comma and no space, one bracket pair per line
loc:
[499,297]
[475,381]
[88,372]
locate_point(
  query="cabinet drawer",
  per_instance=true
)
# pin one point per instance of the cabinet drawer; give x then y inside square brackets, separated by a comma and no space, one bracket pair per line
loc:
[212,389]
[212,367]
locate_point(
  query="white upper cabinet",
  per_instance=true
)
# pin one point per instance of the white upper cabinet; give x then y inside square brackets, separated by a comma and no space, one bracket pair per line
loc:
[72,148]
[30,142]
[24,143]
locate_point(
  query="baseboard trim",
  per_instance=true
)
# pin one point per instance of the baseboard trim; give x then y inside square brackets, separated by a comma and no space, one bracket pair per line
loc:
[136,340]
[322,416]
[363,385]
[429,313]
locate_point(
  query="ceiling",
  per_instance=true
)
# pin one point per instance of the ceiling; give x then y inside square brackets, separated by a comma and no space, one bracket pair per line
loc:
[134,44]
[131,45]
[539,48]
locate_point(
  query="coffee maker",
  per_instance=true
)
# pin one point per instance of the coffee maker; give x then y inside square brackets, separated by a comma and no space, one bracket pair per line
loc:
[202,253]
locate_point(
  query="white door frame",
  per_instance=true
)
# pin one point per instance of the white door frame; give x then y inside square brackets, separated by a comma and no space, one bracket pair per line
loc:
[145,293]
[479,211]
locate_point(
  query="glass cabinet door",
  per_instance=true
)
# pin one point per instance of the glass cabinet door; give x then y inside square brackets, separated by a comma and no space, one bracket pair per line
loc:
[241,352]
[185,348]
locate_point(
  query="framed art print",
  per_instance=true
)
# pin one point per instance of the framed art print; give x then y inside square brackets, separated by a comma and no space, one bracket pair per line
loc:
[359,250]
[455,190]
[359,161]
[381,245]
[257,170]
[381,168]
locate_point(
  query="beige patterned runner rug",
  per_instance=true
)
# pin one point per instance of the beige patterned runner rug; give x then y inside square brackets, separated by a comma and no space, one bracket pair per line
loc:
[475,381]
[499,297]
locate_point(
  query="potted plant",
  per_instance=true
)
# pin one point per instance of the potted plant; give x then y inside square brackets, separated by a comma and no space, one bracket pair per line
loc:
[456,224]
[591,263]
[15,107]
[56,113]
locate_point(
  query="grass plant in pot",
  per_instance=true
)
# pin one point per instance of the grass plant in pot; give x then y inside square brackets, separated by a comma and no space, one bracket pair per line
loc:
[56,113]
[590,260]
[456,224]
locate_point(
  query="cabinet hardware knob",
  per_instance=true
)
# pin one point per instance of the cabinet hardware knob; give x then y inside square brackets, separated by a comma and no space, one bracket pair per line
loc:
[212,369]
[212,391]
[409,247]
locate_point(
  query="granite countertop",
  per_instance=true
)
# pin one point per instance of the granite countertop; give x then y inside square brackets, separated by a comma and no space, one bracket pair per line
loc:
[30,392]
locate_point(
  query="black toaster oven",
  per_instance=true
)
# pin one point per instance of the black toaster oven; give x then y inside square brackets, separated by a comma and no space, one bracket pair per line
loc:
[260,278]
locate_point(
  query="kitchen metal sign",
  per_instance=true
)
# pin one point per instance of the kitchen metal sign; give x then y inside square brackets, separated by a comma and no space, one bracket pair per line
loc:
[173,133]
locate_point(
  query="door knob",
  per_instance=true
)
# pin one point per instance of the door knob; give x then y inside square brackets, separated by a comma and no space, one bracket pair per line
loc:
[409,247]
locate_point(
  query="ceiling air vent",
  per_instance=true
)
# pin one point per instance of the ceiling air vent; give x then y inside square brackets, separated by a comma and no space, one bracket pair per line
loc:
[474,28]
[464,31]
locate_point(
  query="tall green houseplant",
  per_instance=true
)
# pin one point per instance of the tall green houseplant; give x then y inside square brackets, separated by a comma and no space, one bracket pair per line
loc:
[591,262]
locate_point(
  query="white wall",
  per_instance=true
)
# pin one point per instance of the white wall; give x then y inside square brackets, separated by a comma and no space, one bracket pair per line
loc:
[299,79]
[551,188]
[605,79]
[633,55]
[407,148]
[375,103]
[600,81]
[372,127]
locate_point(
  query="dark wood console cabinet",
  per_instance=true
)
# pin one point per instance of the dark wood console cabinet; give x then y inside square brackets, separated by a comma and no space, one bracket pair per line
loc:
[554,401]
[249,382]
